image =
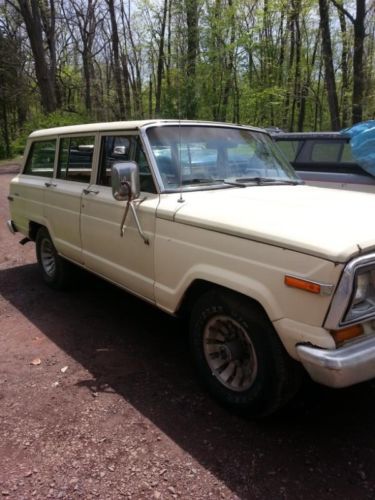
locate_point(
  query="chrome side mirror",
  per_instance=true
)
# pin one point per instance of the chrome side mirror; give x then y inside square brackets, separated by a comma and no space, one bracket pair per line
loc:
[125,181]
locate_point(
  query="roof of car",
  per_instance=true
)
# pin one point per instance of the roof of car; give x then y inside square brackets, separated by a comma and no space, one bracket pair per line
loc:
[125,125]
[308,135]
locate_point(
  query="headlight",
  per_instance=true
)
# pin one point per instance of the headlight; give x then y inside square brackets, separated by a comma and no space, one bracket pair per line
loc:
[363,298]
[361,287]
[354,298]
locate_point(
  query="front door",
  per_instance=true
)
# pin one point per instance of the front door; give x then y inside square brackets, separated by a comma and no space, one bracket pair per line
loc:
[126,260]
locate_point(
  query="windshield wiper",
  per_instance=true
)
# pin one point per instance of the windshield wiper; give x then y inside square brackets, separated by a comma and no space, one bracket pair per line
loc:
[232,183]
[200,180]
[240,182]
[268,180]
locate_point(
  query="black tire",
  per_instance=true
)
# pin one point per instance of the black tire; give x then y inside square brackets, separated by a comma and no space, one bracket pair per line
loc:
[56,271]
[228,328]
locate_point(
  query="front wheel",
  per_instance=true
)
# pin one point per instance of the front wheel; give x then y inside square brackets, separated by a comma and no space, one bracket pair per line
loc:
[56,271]
[239,356]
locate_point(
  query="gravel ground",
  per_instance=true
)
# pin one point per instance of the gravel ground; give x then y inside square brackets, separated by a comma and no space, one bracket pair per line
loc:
[98,399]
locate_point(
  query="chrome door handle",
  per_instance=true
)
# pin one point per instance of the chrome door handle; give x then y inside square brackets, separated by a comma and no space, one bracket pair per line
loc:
[50,184]
[90,191]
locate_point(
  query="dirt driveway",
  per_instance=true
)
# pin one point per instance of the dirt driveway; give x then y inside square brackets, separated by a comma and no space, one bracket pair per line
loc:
[111,407]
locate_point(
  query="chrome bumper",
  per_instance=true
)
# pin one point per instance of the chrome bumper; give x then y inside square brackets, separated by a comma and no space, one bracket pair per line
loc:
[11,226]
[342,367]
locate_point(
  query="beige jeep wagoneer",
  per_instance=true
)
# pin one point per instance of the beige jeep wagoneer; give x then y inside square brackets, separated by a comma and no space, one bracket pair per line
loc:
[208,219]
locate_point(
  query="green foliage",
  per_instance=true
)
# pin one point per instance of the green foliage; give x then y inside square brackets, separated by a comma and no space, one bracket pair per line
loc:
[39,120]
[254,62]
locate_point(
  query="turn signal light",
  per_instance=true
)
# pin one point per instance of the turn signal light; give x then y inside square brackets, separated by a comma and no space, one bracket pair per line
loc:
[347,333]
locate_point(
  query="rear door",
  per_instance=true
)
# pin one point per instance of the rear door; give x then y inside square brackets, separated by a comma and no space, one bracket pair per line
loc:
[63,193]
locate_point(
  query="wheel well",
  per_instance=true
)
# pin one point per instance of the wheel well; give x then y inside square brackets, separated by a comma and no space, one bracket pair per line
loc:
[33,229]
[200,287]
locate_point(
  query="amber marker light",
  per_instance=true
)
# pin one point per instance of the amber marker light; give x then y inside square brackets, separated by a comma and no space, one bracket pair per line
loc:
[309,286]
[347,333]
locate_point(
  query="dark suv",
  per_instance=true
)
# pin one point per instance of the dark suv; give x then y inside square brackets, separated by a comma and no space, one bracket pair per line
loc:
[324,159]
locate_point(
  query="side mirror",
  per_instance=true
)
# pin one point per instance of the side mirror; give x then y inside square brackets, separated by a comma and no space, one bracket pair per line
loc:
[119,150]
[125,181]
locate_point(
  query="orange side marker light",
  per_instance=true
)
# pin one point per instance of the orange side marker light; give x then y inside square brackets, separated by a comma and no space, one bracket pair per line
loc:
[302,284]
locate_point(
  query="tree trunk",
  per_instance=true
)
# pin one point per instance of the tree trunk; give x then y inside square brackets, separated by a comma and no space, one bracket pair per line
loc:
[291,28]
[5,128]
[136,81]
[46,77]
[169,47]
[160,67]
[333,103]
[236,98]
[125,71]
[150,97]
[297,70]
[358,72]
[344,70]
[229,66]
[192,51]
[87,78]
[49,26]
[306,85]
[116,61]
[317,107]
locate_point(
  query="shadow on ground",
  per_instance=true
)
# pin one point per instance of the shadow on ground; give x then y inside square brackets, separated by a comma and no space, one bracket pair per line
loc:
[322,444]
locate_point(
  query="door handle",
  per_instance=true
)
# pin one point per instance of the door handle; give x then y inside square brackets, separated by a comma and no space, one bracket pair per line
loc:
[50,184]
[91,191]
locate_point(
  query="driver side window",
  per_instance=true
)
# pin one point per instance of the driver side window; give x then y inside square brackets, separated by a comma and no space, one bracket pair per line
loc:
[114,149]
[120,148]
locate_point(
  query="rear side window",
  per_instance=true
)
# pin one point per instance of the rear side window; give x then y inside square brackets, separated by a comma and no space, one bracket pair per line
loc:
[290,148]
[326,151]
[41,159]
[75,158]
[347,154]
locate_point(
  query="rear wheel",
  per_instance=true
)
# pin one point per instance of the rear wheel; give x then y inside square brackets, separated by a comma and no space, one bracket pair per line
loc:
[239,356]
[56,271]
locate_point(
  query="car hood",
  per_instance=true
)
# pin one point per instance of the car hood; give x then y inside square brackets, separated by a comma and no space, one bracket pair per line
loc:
[327,223]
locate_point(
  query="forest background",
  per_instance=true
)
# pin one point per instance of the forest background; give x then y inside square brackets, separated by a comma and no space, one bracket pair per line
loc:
[293,64]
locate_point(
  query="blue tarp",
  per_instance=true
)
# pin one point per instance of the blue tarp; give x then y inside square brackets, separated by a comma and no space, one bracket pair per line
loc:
[362,141]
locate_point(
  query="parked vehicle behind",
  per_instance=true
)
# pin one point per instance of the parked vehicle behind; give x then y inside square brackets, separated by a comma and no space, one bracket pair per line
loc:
[209,221]
[324,159]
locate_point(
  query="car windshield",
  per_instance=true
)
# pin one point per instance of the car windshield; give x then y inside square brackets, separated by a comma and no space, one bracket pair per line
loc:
[197,155]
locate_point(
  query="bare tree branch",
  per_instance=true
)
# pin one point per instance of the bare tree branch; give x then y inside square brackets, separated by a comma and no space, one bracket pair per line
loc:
[340,7]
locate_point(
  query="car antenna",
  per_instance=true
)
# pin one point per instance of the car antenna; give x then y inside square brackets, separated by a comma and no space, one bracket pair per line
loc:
[181,199]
